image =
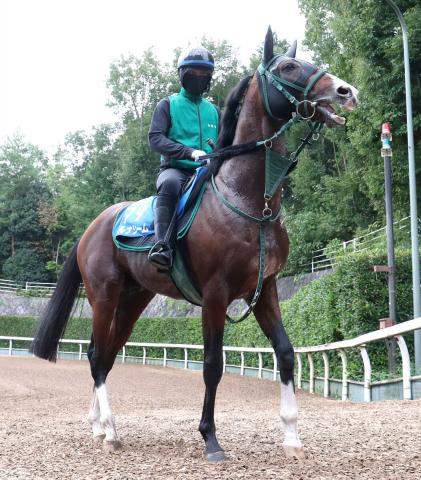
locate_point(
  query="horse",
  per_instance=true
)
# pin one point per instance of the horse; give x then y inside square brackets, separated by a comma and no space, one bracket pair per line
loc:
[221,250]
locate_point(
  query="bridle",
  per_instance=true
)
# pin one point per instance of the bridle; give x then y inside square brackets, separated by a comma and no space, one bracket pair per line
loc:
[277,167]
[289,90]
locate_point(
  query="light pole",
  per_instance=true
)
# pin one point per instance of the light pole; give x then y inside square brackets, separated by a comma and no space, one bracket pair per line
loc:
[416,290]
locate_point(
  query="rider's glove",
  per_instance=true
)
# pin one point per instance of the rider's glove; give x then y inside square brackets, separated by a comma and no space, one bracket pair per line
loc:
[196,154]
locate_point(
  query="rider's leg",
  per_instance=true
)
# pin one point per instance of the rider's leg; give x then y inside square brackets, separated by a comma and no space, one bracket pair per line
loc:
[169,185]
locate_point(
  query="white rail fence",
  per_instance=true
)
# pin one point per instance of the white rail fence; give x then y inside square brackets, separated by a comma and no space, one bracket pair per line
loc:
[325,257]
[360,342]
[45,288]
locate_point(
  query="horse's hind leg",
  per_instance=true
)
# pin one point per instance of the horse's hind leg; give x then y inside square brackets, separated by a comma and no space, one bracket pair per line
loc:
[269,317]
[110,333]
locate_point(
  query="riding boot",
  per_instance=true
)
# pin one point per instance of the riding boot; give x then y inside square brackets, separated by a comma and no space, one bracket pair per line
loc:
[161,253]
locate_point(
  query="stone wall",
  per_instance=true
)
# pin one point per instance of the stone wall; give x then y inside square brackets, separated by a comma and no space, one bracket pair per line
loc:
[16,305]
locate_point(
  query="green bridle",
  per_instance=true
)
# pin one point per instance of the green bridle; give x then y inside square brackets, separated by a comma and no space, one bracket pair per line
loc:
[277,167]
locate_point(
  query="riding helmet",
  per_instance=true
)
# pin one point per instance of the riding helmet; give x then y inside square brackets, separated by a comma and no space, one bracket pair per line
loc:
[196,57]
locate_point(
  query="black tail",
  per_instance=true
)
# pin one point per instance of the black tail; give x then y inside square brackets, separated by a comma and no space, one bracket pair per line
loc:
[53,322]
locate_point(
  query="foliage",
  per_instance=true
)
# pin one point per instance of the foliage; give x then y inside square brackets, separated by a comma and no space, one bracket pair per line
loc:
[25,264]
[348,303]
[345,304]
[338,185]
[23,189]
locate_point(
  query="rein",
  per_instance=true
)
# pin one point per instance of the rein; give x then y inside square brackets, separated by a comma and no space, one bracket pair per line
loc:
[277,167]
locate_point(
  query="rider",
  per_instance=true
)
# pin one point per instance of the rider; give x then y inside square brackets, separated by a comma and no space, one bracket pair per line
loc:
[184,127]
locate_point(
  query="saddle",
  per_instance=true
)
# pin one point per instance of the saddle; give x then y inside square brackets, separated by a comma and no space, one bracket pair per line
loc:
[133,230]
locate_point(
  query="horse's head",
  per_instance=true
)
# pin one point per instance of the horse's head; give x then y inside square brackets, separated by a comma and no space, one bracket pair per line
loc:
[289,85]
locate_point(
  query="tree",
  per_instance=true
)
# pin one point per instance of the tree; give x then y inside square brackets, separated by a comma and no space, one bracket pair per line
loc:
[227,72]
[136,85]
[359,40]
[23,189]
[337,188]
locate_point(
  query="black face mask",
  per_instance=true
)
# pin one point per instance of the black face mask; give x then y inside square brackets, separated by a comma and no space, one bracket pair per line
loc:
[196,84]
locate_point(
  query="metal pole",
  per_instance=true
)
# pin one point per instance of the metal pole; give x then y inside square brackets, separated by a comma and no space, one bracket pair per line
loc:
[386,153]
[416,289]
[387,157]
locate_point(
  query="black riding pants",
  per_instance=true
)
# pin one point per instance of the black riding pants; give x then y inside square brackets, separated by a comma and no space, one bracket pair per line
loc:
[170,182]
[169,186]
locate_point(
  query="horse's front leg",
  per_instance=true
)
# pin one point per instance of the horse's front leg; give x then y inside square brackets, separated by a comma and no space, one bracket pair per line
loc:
[213,321]
[269,317]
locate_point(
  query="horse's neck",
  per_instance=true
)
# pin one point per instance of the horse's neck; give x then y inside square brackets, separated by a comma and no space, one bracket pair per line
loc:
[244,176]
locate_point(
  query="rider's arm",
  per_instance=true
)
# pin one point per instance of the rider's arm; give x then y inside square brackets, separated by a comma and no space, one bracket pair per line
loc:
[158,139]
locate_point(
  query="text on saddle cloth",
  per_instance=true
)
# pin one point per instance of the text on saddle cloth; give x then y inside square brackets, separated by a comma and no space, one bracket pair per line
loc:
[137,219]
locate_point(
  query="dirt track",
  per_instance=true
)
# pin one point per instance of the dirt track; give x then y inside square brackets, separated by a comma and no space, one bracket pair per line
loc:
[44,433]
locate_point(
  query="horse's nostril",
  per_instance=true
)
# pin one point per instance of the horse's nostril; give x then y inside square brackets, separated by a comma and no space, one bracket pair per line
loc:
[344,92]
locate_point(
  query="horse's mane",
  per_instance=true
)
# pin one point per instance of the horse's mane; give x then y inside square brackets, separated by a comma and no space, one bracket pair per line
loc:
[229,120]
[230,116]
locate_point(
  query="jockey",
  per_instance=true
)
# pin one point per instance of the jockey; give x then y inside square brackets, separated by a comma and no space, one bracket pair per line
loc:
[184,127]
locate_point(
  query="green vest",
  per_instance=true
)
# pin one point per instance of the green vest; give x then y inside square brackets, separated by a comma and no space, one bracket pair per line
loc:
[194,121]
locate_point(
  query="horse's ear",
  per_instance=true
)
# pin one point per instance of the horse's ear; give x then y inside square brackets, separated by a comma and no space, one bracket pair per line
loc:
[292,50]
[268,48]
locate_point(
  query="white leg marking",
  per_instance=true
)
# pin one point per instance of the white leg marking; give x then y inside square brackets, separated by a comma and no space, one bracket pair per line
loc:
[289,414]
[106,416]
[94,418]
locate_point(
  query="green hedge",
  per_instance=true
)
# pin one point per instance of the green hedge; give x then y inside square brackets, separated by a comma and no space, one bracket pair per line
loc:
[348,303]
[342,305]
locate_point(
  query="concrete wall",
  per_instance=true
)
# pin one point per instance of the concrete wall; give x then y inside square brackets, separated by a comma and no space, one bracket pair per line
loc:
[12,304]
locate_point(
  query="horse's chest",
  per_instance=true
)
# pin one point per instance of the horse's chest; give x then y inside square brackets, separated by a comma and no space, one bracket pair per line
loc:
[248,256]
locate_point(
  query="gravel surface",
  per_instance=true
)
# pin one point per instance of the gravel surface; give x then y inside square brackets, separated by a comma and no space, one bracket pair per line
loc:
[44,433]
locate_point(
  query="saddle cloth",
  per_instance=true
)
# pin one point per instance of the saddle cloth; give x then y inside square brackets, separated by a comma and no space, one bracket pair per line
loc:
[134,225]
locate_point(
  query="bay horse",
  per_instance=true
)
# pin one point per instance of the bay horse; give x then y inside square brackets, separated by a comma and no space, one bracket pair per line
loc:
[221,249]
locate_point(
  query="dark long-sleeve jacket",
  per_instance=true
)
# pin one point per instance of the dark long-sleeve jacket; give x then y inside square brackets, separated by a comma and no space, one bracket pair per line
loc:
[181,124]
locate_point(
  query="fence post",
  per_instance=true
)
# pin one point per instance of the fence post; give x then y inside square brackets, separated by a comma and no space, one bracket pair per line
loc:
[123,359]
[80,351]
[311,378]
[260,364]
[367,374]
[326,377]
[242,363]
[224,358]
[10,347]
[406,368]
[185,359]
[300,370]
[144,356]
[165,357]
[344,375]
[275,367]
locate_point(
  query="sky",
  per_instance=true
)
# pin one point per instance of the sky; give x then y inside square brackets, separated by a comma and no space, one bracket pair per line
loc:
[55,54]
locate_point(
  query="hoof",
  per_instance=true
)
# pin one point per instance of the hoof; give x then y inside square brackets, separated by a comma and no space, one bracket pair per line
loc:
[112,445]
[215,456]
[99,438]
[294,452]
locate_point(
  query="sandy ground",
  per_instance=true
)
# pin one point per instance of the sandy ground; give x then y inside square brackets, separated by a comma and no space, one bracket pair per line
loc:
[44,433]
